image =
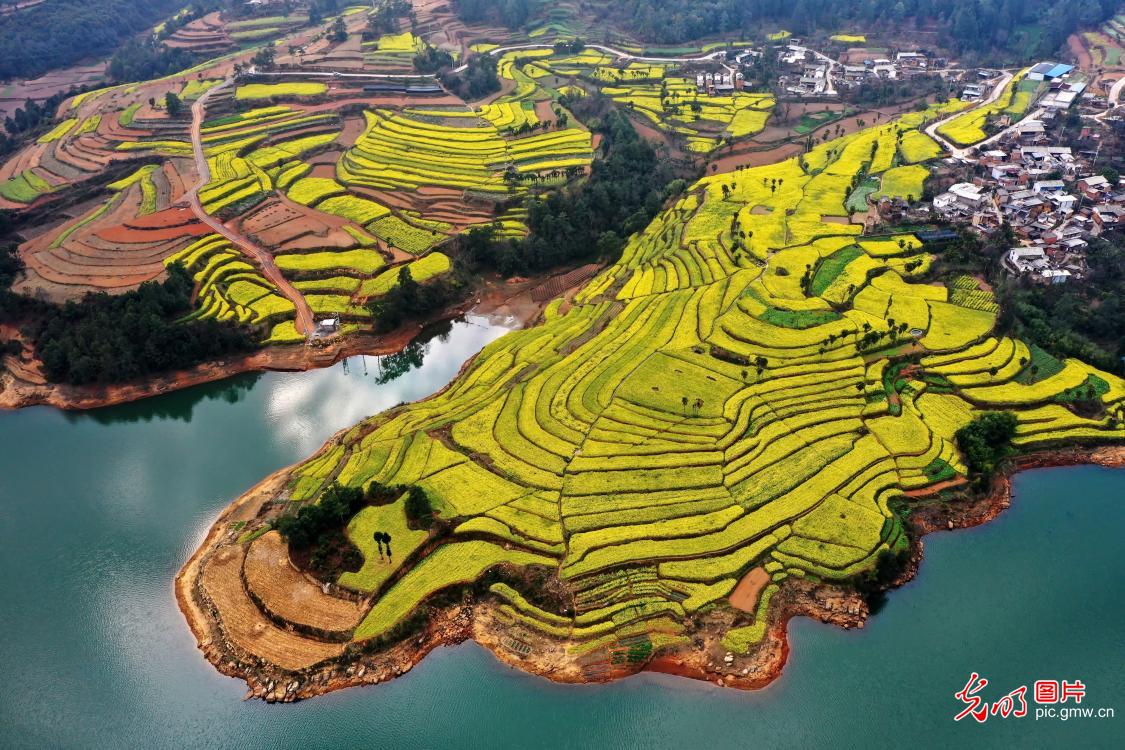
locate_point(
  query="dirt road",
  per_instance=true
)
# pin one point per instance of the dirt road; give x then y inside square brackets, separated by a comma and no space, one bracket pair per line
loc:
[305,323]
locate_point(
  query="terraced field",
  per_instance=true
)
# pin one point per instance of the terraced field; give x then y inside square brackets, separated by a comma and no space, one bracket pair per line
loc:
[650,88]
[747,393]
[969,127]
[703,120]
[401,151]
[342,185]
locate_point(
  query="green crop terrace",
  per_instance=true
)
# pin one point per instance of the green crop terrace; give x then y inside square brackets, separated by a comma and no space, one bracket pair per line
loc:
[749,386]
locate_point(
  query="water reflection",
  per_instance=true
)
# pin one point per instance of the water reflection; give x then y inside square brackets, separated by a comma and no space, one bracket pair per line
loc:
[301,408]
[434,357]
[178,406]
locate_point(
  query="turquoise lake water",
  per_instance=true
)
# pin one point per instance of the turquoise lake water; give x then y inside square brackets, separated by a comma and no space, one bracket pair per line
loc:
[99,510]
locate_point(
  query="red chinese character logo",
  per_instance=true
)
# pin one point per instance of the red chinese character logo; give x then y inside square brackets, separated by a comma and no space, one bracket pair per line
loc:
[1046,691]
[1006,706]
[1075,690]
[975,705]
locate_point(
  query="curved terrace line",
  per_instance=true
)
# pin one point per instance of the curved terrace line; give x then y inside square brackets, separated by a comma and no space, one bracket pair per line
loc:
[304,321]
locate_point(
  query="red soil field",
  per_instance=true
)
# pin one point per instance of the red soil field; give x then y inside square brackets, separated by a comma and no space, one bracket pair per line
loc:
[746,593]
[169,217]
[129,236]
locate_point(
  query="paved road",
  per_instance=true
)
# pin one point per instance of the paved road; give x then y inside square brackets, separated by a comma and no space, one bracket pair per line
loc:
[830,88]
[252,71]
[609,51]
[1114,98]
[1115,92]
[957,151]
[305,323]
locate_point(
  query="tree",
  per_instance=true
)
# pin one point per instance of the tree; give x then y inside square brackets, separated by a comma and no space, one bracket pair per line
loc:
[173,105]
[113,338]
[419,510]
[338,32]
[609,245]
[264,58]
[986,441]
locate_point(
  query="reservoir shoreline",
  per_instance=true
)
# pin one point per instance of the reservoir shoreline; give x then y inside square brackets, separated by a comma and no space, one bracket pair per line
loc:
[832,604]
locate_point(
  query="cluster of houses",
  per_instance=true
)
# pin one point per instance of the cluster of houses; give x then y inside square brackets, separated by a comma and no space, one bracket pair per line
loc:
[1049,196]
[719,83]
[810,74]
[807,74]
[1059,86]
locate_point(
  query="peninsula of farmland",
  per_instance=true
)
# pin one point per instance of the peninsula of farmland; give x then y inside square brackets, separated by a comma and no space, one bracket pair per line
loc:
[769,298]
[726,427]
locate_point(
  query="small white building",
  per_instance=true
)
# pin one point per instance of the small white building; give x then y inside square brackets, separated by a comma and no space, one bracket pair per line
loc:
[968,194]
[1064,202]
[1055,275]
[1023,260]
[1048,186]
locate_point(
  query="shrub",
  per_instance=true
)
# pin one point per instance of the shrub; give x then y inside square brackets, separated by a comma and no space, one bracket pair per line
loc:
[987,440]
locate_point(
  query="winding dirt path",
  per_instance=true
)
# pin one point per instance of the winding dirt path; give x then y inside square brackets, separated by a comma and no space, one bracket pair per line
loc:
[305,323]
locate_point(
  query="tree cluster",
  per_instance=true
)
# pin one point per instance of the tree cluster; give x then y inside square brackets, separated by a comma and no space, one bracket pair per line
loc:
[510,13]
[31,116]
[881,92]
[385,18]
[12,305]
[144,59]
[986,441]
[321,9]
[338,32]
[329,514]
[318,522]
[432,59]
[59,33]
[409,300]
[114,338]
[265,58]
[622,194]
[419,510]
[1083,319]
[479,79]
[988,28]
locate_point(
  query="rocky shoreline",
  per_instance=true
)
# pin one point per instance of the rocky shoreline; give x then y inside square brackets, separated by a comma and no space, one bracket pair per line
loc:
[703,658]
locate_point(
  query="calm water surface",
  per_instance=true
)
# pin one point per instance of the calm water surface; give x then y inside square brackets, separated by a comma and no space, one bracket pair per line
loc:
[98,511]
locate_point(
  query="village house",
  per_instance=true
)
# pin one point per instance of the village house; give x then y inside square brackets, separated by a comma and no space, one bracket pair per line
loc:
[916,60]
[1093,188]
[970,195]
[993,157]
[855,74]
[972,92]
[1031,132]
[1107,217]
[1048,71]
[1063,96]
[1026,260]
[1049,186]
[793,54]
[1064,202]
